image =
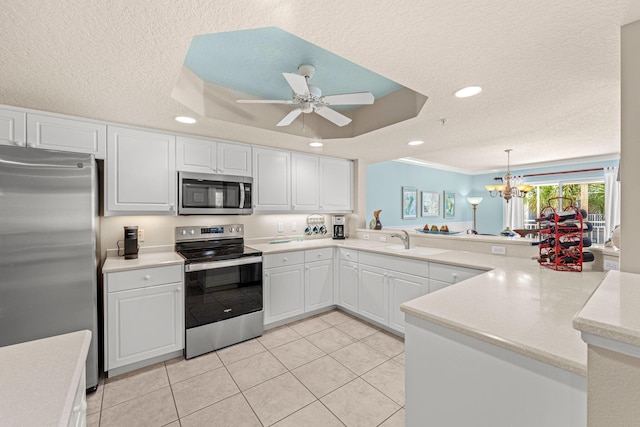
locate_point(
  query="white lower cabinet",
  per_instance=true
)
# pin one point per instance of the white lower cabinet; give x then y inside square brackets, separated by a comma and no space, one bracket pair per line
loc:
[318,279]
[283,286]
[373,293]
[348,281]
[402,288]
[296,283]
[144,315]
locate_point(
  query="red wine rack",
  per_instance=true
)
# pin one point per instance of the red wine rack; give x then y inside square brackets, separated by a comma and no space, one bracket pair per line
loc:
[561,234]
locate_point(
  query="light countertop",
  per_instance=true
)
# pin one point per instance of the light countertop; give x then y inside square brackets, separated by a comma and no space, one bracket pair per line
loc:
[144,260]
[612,312]
[40,379]
[516,304]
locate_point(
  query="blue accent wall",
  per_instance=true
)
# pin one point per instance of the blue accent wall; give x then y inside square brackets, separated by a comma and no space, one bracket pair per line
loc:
[385,180]
[384,191]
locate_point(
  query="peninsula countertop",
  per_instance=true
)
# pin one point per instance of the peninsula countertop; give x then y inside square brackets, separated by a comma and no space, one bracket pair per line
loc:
[40,379]
[612,311]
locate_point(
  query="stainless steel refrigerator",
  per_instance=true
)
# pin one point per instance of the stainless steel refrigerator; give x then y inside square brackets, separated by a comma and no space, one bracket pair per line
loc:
[48,208]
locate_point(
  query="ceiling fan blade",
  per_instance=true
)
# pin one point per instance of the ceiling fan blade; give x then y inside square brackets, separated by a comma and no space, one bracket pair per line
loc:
[264,101]
[289,118]
[349,99]
[333,116]
[298,83]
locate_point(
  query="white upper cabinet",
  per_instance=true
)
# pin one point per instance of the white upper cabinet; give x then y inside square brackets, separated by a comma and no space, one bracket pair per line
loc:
[196,155]
[234,159]
[336,185]
[271,180]
[13,129]
[63,134]
[140,173]
[209,156]
[294,182]
[304,182]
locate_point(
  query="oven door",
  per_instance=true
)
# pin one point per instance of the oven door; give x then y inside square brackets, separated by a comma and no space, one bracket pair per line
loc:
[221,290]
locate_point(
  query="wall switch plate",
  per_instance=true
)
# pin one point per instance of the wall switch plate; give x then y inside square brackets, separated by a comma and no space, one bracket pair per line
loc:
[611,265]
[280,227]
[498,250]
[140,234]
[365,237]
[383,238]
[294,226]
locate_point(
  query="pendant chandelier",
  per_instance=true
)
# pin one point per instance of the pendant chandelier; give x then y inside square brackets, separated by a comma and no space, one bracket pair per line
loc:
[511,186]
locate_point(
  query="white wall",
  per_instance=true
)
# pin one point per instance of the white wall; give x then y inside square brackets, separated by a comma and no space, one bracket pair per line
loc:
[630,148]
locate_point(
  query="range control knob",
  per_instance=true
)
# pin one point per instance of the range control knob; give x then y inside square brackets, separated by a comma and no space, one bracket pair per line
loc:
[183,232]
[192,232]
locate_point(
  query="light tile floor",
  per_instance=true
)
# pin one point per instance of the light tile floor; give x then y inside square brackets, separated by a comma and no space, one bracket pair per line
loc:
[327,370]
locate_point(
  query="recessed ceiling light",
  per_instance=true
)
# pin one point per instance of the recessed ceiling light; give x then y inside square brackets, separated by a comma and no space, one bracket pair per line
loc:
[468,91]
[316,144]
[416,142]
[185,119]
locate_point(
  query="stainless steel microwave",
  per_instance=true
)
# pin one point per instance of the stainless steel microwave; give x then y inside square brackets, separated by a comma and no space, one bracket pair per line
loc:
[208,194]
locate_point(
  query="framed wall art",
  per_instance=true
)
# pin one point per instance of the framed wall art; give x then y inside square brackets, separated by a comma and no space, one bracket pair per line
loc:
[449,204]
[430,203]
[409,202]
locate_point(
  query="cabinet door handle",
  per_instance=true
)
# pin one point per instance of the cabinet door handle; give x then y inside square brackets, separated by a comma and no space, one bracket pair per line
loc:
[147,277]
[285,259]
[319,255]
[31,144]
[266,274]
[455,277]
[178,289]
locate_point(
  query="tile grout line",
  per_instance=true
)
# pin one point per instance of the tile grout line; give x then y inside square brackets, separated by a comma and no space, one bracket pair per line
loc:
[175,404]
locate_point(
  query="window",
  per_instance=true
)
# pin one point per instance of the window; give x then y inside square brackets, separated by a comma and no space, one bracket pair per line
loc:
[586,195]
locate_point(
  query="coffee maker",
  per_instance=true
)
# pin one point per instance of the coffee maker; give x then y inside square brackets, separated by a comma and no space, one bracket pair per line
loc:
[338,227]
[131,242]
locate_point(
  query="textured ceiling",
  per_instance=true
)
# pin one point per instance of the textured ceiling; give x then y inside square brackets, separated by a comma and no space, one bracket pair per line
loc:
[550,69]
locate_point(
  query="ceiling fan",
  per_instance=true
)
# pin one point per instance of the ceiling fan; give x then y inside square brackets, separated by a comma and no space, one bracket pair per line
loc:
[310,99]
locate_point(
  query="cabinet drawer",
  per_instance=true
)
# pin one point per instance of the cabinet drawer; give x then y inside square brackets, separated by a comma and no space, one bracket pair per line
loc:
[396,263]
[318,254]
[282,259]
[348,254]
[142,278]
[451,274]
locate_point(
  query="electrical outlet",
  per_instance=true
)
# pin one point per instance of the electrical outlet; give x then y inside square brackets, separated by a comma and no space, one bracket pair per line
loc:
[498,250]
[140,234]
[383,238]
[280,227]
[611,265]
[294,226]
[365,237]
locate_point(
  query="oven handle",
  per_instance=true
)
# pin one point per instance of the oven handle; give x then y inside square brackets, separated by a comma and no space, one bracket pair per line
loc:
[222,264]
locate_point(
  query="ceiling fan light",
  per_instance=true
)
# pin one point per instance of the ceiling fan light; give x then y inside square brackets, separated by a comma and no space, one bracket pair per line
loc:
[468,91]
[415,142]
[185,119]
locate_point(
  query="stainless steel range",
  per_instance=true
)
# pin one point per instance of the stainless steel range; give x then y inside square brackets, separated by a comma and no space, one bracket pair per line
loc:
[223,281]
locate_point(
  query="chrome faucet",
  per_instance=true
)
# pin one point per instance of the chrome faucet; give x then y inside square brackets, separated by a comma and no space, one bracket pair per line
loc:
[405,238]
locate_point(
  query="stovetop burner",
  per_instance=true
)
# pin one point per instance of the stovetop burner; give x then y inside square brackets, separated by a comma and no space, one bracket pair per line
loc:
[199,244]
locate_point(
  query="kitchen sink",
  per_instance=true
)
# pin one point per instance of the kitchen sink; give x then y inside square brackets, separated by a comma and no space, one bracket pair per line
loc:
[418,250]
